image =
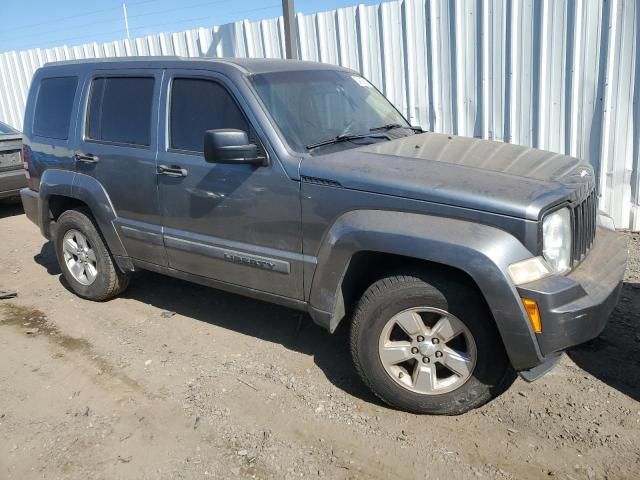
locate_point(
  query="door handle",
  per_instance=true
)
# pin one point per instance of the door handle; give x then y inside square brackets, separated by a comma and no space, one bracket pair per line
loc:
[172,171]
[88,158]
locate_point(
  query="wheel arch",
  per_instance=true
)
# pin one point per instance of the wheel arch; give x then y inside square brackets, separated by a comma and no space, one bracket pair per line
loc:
[58,204]
[475,253]
[62,190]
[366,267]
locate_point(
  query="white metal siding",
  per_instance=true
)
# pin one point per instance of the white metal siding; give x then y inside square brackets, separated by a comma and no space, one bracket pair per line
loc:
[561,75]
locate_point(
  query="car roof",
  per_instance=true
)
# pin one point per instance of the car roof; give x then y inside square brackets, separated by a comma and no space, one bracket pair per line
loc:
[248,66]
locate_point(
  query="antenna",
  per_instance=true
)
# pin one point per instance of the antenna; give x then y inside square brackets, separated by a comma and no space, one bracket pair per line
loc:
[126,20]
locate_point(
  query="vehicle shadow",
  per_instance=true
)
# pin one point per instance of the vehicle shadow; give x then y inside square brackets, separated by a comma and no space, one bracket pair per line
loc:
[47,259]
[614,357]
[272,323]
[10,207]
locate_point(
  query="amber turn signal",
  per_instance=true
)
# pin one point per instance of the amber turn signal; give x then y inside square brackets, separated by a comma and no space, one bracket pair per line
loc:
[534,314]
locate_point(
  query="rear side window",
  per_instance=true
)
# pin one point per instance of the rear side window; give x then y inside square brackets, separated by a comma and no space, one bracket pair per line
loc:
[199,105]
[120,110]
[54,104]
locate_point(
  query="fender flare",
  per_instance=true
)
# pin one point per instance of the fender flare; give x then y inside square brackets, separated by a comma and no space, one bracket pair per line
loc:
[481,251]
[87,190]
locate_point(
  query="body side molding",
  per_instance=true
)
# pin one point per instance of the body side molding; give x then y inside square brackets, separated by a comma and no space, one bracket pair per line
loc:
[229,255]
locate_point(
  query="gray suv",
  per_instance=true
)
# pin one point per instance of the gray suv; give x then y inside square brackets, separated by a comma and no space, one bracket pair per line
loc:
[456,262]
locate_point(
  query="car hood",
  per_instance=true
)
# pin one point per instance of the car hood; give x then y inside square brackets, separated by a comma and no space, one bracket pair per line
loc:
[466,172]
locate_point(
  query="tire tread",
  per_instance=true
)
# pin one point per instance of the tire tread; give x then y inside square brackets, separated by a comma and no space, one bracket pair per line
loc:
[387,286]
[117,281]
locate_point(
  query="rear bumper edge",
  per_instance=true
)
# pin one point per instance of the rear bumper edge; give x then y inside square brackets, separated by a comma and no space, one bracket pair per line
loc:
[31,205]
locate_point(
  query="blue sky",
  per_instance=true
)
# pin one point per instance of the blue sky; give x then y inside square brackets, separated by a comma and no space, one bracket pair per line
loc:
[31,23]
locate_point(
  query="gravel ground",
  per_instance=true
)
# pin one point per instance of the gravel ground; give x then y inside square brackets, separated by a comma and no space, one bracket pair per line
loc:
[174,380]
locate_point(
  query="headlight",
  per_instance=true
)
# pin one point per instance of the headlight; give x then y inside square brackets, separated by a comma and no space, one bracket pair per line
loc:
[556,240]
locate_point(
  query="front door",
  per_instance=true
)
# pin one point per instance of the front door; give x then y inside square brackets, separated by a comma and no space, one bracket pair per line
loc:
[238,224]
[118,147]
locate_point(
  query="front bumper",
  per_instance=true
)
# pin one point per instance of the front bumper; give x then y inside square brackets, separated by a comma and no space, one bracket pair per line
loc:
[575,308]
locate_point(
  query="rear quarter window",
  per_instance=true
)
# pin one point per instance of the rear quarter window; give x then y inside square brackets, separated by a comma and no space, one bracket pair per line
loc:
[54,104]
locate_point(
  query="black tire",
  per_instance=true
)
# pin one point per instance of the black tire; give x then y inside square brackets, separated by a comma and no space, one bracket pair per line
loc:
[492,373]
[110,280]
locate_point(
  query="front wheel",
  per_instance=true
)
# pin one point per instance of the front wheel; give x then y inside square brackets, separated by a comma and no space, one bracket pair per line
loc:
[85,261]
[427,344]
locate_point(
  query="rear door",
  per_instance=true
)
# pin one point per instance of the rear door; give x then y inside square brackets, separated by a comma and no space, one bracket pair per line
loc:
[118,147]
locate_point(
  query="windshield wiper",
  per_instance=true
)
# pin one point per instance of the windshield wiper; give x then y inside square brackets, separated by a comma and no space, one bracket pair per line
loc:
[345,137]
[391,126]
[388,126]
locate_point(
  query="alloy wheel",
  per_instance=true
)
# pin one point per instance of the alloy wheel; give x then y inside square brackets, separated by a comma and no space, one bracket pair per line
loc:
[427,350]
[79,257]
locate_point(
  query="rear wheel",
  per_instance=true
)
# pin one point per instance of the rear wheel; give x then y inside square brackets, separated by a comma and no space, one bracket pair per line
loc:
[428,345]
[85,261]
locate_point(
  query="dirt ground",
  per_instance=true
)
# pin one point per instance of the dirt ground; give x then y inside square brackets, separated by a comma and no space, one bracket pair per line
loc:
[174,380]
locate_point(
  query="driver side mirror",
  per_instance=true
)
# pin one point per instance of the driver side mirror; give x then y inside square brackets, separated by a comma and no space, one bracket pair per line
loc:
[229,145]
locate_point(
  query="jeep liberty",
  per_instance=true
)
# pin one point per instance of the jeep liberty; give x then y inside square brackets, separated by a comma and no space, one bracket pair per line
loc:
[456,262]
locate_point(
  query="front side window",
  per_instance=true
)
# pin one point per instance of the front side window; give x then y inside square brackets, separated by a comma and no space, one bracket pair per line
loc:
[54,104]
[198,105]
[312,106]
[120,110]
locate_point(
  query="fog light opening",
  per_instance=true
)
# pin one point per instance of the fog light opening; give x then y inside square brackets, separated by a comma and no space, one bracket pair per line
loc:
[533,313]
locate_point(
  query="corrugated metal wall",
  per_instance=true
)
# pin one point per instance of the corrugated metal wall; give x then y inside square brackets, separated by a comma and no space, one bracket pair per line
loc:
[559,75]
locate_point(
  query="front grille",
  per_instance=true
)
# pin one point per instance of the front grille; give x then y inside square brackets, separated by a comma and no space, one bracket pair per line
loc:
[584,226]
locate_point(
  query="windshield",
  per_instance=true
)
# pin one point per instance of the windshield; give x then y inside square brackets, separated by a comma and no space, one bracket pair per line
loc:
[6,129]
[313,106]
